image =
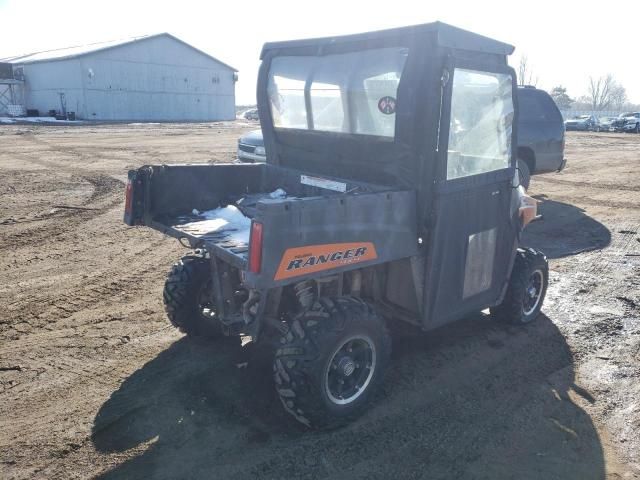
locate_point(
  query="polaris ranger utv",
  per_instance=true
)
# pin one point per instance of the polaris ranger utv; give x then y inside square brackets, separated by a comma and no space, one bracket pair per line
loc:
[388,193]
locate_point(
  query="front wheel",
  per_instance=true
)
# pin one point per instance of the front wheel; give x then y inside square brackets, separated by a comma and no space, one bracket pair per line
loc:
[526,290]
[331,362]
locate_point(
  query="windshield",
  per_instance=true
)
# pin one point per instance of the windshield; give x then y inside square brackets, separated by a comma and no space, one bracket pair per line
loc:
[351,93]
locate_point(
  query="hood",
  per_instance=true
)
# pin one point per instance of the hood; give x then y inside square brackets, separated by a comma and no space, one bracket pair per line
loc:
[577,120]
[253,138]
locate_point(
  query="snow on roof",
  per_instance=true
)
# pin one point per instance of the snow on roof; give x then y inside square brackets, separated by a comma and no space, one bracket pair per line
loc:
[79,50]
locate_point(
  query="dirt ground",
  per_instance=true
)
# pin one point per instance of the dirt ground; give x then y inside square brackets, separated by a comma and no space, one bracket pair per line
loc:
[95,383]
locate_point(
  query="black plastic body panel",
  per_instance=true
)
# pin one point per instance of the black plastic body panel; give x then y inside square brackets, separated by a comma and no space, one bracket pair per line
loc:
[386,219]
[178,189]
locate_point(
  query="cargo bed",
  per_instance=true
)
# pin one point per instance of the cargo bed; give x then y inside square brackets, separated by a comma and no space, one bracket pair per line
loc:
[321,213]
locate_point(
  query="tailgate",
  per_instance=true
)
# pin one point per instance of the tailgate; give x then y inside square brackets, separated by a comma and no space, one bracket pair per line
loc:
[325,235]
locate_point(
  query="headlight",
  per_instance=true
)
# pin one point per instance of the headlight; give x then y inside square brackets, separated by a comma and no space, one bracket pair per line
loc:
[260,151]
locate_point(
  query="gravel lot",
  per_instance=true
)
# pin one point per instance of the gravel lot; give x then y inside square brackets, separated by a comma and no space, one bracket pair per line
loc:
[95,383]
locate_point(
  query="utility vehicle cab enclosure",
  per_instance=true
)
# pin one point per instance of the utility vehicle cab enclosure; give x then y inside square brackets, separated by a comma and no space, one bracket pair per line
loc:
[387,194]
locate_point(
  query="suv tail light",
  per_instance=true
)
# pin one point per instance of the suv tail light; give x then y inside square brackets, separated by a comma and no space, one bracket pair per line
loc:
[128,198]
[255,247]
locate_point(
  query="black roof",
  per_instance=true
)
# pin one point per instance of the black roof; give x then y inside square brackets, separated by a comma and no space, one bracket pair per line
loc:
[445,35]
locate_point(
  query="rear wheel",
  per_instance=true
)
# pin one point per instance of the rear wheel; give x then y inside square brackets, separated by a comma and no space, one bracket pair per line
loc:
[527,288]
[188,299]
[331,362]
[524,173]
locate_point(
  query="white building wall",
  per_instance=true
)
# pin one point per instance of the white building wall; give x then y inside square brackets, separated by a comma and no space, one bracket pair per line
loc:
[45,81]
[159,79]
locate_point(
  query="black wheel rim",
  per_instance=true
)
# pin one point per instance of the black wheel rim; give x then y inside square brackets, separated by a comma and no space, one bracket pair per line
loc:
[350,369]
[533,292]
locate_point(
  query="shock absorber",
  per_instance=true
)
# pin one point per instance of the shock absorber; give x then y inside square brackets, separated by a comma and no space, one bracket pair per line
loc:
[305,291]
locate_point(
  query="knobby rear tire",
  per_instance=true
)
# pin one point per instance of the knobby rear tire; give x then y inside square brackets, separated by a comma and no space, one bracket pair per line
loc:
[303,360]
[187,283]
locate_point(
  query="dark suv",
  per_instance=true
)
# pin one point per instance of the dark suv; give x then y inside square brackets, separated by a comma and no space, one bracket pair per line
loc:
[540,134]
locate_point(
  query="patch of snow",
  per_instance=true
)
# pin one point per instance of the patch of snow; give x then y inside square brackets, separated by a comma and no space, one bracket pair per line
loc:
[278,193]
[34,120]
[223,219]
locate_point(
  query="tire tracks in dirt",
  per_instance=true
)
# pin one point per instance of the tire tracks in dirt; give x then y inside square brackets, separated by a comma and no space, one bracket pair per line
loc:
[56,223]
[598,186]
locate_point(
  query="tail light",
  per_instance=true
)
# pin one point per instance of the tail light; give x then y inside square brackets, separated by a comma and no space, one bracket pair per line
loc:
[255,247]
[128,198]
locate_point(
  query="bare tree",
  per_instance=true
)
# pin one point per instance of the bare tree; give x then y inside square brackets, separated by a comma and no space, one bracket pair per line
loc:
[525,74]
[561,97]
[605,92]
[618,97]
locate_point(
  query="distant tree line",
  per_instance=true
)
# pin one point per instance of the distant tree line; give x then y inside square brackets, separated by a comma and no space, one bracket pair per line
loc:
[604,93]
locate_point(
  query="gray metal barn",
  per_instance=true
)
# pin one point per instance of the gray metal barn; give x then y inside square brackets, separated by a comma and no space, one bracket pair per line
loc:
[152,78]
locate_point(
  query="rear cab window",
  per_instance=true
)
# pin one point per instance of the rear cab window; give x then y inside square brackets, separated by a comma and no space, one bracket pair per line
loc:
[350,93]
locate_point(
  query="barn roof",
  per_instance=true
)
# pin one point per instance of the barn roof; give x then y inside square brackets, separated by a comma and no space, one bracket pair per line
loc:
[82,50]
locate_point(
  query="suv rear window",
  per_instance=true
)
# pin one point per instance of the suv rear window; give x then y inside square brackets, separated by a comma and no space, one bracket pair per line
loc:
[536,105]
[352,93]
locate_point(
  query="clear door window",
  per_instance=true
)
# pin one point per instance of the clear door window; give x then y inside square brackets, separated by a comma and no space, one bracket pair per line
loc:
[481,123]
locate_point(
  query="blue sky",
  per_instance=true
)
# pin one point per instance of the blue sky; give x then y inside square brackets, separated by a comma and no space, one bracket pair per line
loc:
[565,42]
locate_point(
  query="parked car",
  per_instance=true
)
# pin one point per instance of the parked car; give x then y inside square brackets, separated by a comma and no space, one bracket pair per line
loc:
[251,147]
[605,124]
[582,123]
[618,122]
[540,134]
[631,122]
[251,114]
